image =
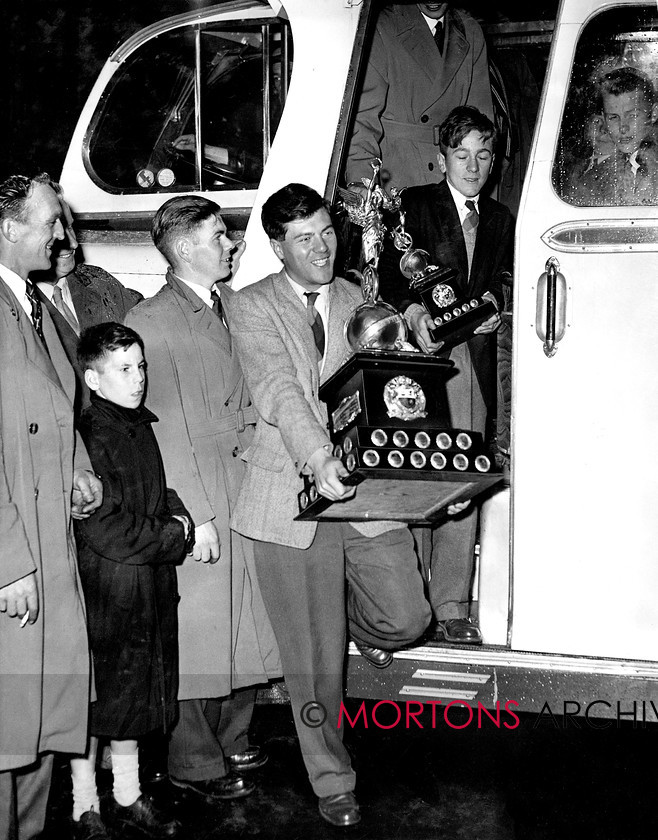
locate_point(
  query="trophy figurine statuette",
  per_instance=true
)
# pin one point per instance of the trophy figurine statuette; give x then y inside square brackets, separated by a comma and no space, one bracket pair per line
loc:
[389,419]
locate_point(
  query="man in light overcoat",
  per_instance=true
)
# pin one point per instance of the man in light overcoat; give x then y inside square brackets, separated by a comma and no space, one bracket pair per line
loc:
[197,391]
[410,87]
[45,478]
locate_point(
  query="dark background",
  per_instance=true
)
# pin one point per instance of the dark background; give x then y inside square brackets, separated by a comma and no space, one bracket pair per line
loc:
[53,51]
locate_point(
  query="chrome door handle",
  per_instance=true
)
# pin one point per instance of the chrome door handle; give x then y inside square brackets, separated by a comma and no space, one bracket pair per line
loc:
[550,318]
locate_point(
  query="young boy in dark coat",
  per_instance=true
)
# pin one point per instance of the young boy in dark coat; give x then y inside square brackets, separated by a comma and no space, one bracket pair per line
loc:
[127,555]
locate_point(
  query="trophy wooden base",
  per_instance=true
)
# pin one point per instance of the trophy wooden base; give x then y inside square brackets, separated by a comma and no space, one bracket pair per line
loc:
[409,496]
[389,423]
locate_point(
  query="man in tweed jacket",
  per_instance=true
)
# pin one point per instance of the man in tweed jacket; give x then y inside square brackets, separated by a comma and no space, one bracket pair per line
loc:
[302,566]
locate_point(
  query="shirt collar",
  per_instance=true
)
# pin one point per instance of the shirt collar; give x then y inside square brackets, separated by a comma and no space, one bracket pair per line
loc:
[432,22]
[17,286]
[199,291]
[49,288]
[460,201]
[300,291]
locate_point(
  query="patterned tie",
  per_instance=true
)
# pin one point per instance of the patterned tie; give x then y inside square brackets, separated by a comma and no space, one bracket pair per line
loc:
[37,313]
[315,321]
[64,310]
[438,36]
[471,221]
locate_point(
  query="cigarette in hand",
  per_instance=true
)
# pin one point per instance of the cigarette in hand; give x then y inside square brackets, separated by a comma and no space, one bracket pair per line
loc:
[25,619]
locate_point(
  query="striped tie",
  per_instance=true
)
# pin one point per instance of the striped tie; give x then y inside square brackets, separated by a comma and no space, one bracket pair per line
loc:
[471,221]
[315,321]
[37,312]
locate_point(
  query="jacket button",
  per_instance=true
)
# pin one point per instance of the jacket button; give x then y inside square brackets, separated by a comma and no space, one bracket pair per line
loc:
[236,451]
[424,118]
[33,428]
[430,166]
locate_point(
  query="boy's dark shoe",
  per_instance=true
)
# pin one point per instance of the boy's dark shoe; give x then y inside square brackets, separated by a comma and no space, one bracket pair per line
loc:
[90,827]
[143,816]
[231,786]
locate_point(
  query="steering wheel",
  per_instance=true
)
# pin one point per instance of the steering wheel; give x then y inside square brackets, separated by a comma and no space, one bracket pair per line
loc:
[229,173]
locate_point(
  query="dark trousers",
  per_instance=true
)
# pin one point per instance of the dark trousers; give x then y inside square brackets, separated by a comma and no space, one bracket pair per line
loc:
[453,542]
[305,595]
[206,732]
[24,799]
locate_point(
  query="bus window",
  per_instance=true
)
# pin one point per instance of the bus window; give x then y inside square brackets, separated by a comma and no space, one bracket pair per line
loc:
[607,151]
[222,86]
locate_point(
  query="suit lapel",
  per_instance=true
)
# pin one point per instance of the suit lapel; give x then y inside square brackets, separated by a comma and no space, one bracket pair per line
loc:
[456,47]
[294,314]
[36,352]
[340,309]
[416,39]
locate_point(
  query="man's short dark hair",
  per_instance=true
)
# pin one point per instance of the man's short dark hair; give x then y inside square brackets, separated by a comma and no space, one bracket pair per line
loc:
[289,204]
[95,342]
[180,216]
[626,80]
[460,122]
[15,191]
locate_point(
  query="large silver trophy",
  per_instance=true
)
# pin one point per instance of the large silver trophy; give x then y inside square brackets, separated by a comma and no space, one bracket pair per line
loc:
[389,418]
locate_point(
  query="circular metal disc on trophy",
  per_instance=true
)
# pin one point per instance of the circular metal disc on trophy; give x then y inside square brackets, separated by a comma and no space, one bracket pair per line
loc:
[375,326]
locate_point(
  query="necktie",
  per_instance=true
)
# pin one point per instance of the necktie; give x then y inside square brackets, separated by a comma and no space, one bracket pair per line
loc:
[64,310]
[37,313]
[315,321]
[217,307]
[216,304]
[471,221]
[438,36]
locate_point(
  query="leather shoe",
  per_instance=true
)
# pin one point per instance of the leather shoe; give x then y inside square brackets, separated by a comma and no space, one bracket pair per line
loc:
[376,657]
[90,827]
[460,631]
[341,809]
[143,816]
[231,786]
[251,759]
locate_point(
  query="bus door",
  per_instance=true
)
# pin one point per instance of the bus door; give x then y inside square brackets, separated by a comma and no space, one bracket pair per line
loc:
[585,417]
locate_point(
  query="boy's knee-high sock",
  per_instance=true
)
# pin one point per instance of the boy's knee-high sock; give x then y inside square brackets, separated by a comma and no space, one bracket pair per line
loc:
[125,771]
[83,776]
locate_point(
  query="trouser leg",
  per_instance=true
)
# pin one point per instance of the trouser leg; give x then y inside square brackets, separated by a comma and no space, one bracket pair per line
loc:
[7,805]
[304,593]
[195,754]
[235,720]
[453,542]
[453,549]
[24,800]
[387,607]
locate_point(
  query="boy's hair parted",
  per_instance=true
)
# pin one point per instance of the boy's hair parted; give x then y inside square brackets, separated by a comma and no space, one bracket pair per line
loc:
[460,122]
[180,216]
[95,342]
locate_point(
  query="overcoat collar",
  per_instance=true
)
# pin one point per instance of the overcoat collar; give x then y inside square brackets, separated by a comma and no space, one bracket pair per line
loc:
[203,319]
[415,37]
